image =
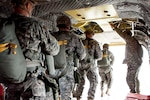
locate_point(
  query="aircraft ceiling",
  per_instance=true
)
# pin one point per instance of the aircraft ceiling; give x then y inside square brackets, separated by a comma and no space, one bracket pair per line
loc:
[124,8]
[48,9]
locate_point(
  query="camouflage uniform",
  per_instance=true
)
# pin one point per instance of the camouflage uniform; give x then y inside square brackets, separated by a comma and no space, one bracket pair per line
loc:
[105,72]
[35,41]
[74,45]
[133,59]
[88,68]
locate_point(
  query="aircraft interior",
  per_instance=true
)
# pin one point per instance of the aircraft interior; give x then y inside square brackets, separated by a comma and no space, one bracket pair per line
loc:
[100,15]
[92,13]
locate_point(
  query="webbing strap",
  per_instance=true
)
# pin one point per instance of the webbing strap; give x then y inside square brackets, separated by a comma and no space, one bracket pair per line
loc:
[62,42]
[5,46]
[105,55]
[87,46]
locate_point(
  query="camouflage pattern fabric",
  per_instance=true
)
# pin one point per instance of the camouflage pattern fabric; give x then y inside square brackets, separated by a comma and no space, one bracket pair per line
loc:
[106,78]
[93,79]
[133,58]
[35,41]
[105,72]
[74,45]
[88,68]
[132,78]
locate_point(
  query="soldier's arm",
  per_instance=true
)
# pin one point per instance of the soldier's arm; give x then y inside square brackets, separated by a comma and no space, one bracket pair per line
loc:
[98,52]
[123,32]
[112,58]
[80,50]
[51,46]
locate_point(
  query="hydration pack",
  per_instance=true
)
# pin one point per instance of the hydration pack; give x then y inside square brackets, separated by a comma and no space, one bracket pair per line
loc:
[12,61]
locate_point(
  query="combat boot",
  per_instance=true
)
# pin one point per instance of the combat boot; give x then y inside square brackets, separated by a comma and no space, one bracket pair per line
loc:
[137,90]
[90,99]
[102,93]
[78,98]
[107,92]
[59,97]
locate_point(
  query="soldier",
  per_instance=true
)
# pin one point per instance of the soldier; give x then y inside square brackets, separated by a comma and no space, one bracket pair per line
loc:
[133,56]
[35,41]
[73,46]
[88,66]
[105,69]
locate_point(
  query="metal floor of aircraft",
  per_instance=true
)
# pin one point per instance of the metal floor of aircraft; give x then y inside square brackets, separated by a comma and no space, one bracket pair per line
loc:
[120,89]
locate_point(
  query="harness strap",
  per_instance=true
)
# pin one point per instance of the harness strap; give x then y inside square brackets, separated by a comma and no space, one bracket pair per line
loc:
[62,42]
[105,55]
[6,46]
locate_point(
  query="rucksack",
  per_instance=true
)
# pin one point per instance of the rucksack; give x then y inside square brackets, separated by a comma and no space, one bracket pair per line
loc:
[12,61]
[105,61]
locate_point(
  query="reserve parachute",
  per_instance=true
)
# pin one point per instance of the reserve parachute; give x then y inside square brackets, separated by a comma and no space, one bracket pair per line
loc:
[105,59]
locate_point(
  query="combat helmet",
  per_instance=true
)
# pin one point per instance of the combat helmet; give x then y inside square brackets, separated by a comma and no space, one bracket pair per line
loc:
[89,31]
[106,46]
[63,21]
[22,2]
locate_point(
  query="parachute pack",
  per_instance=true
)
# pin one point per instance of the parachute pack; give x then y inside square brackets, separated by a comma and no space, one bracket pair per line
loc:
[105,61]
[57,65]
[12,61]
